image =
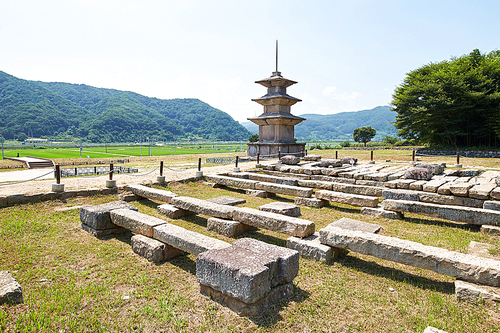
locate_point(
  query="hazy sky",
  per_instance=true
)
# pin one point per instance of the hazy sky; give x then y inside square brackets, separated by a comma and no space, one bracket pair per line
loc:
[345,55]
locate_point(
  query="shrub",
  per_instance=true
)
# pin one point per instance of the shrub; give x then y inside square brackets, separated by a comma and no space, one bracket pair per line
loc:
[345,144]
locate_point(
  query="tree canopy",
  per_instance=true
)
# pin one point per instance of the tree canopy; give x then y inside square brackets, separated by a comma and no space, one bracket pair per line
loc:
[454,102]
[364,134]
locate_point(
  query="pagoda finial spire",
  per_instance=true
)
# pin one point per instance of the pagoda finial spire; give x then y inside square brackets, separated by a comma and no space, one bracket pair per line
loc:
[276,55]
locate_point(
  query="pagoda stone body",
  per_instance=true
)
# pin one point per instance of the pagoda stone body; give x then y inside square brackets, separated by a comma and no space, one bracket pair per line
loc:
[276,124]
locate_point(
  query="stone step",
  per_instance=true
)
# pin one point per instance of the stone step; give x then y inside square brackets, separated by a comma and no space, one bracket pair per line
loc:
[151,193]
[452,213]
[232,182]
[275,222]
[348,199]
[459,265]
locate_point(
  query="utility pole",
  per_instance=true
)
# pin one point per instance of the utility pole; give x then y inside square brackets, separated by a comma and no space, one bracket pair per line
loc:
[2,139]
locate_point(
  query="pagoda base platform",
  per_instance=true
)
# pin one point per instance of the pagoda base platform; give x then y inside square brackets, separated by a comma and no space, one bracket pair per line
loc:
[271,149]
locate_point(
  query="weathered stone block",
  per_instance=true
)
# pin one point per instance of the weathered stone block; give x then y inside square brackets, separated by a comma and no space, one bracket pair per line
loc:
[262,178]
[282,208]
[405,183]
[136,222]
[490,229]
[311,248]
[495,193]
[418,185]
[380,212]
[203,207]
[315,184]
[351,224]
[310,202]
[482,191]
[435,168]
[449,200]
[186,240]
[444,189]
[226,200]
[349,199]
[290,160]
[10,291]
[460,189]
[469,173]
[459,265]
[476,293]
[433,185]
[453,213]
[285,189]
[227,228]
[312,158]
[151,193]
[103,232]
[357,189]
[152,249]
[287,181]
[258,193]
[393,184]
[493,205]
[232,182]
[372,183]
[481,250]
[15,199]
[275,222]
[172,212]
[98,217]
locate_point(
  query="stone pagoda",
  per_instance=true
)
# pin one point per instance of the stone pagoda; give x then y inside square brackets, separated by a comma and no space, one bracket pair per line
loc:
[276,124]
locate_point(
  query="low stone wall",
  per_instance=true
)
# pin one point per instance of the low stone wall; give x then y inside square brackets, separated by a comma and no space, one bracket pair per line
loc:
[464,153]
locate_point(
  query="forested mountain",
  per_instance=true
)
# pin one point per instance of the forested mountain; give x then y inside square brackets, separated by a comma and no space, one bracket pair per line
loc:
[340,126]
[43,109]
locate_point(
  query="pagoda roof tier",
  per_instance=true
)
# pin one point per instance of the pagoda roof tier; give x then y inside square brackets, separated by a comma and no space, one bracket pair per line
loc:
[276,119]
[277,99]
[276,80]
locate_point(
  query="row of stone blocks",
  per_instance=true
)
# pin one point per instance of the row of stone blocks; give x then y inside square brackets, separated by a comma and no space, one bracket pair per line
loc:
[247,276]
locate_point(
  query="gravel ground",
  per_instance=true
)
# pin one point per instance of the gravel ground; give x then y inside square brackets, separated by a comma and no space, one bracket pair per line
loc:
[80,183]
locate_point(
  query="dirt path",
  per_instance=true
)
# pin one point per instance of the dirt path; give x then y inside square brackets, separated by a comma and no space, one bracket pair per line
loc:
[79,183]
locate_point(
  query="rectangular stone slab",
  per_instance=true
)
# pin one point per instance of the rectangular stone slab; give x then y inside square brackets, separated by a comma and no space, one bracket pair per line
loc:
[204,207]
[172,212]
[351,224]
[295,191]
[10,290]
[459,265]
[475,293]
[275,222]
[226,200]
[227,228]
[152,249]
[311,248]
[311,202]
[232,182]
[357,189]
[103,232]
[315,184]
[97,217]
[136,222]
[151,193]
[452,213]
[186,240]
[346,198]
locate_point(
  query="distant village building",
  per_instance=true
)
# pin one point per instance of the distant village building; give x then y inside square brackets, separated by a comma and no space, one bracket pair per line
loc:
[276,124]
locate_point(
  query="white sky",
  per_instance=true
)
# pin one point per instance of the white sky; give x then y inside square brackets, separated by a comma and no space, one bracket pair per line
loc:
[346,55]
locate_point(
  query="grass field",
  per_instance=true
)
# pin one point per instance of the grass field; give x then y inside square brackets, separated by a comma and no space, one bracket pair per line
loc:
[73,282]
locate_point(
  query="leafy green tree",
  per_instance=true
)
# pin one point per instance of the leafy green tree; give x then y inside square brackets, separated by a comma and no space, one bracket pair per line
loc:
[253,138]
[21,136]
[389,140]
[454,102]
[364,134]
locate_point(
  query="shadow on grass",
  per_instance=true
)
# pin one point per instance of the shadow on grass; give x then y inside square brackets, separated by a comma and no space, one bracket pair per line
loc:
[451,224]
[375,269]
[196,219]
[183,262]
[256,234]
[343,209]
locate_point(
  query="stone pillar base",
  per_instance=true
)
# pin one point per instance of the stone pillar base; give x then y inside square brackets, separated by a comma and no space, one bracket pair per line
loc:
[236,169]
[258,165]
[199,174]
[160,179]
[371,162]
[110,183]
[57,187]
[458,165]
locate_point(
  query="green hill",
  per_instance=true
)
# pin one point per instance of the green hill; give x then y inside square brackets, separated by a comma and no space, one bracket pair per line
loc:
[340,126]
[57,109]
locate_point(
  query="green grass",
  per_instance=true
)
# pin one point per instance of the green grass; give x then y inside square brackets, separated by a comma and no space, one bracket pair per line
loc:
[75,282]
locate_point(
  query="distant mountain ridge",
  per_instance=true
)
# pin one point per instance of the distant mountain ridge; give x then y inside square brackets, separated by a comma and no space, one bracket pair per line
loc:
[76,110]
[340,126]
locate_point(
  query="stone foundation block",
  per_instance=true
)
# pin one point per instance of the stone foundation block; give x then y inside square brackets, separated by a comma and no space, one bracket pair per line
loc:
[312,248]
[277,294]
[226,200]
[452,213]
[357,189]
[152,249]
[346,198]
[481,191]
[287,181]
[258,193]
[493,205]
[351,224]
[136,222]
[186,240]
[315,184]
[460,189]
[459,265]
[203,207]
[489,229]
[275,222]
[172,212]
[103,232]
[418,185]
[248,270]
[310,202]
[227,228]
[151,193]
[10,291]
[380,212]
[450,200]
[476,293]
[433,185]
[281,208]
[285,189]
[495,193]
[400,195]
[232,182]
[98,217]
